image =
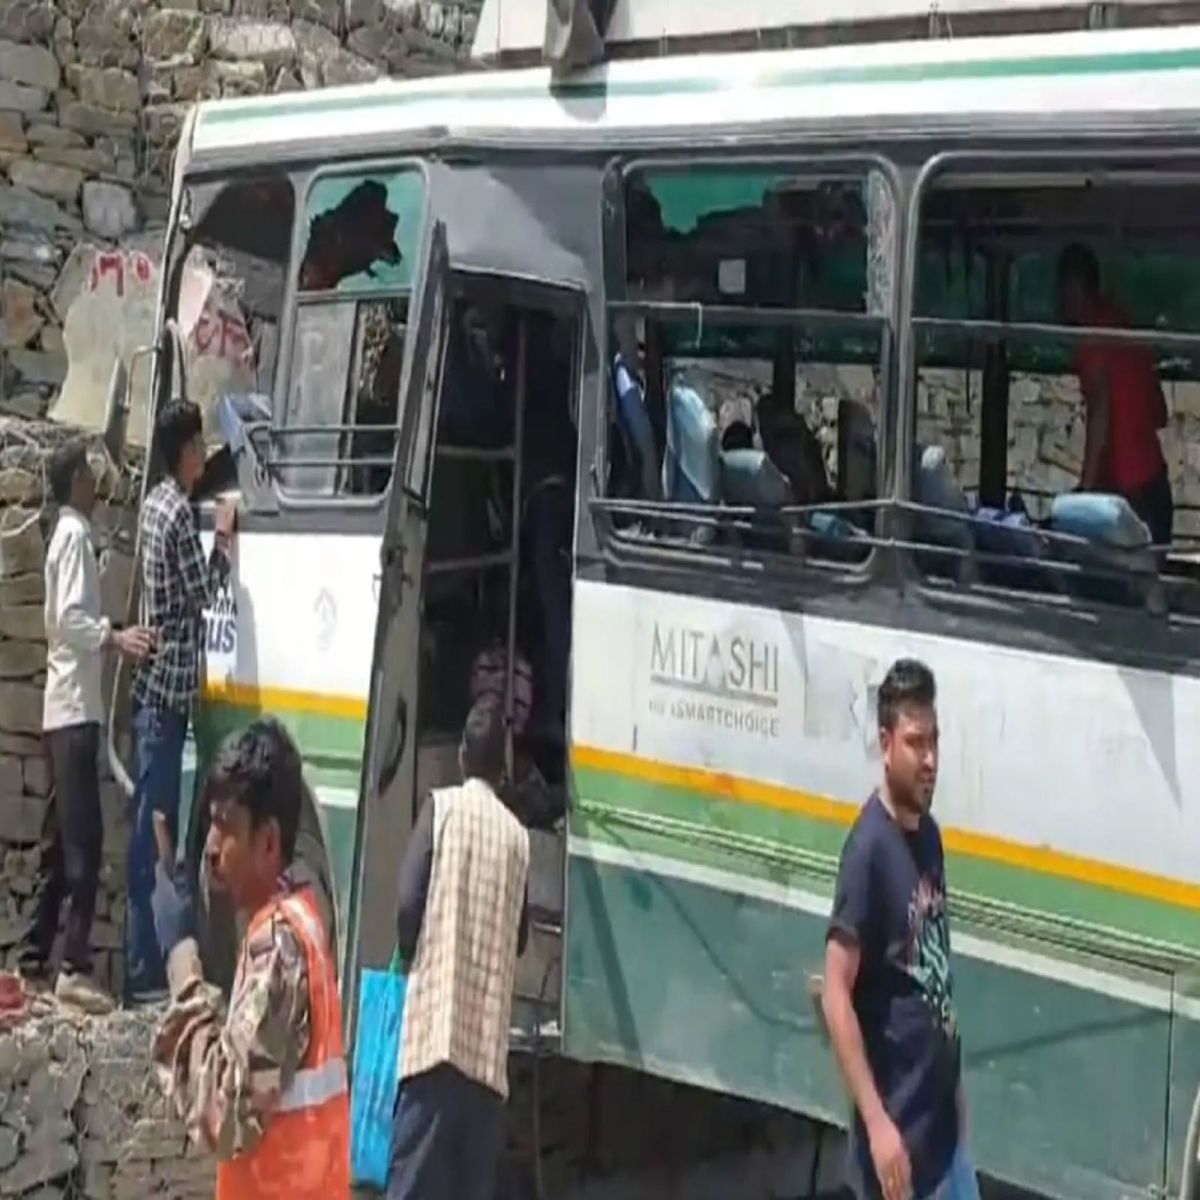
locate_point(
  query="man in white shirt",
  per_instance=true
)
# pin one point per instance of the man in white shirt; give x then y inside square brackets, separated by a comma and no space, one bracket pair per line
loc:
[77,636]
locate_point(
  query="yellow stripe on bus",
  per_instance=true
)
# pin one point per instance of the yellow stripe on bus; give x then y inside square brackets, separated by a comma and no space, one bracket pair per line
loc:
[269,699]
[1039,859]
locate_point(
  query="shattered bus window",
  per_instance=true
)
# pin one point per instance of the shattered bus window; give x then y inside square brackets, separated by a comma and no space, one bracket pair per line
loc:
[338,431]
[362,233]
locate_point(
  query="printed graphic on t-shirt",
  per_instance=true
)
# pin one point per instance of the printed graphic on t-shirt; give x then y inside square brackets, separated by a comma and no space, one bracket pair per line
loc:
[927,958]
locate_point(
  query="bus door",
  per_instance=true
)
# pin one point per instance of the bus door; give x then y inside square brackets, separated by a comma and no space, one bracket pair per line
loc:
[387,810]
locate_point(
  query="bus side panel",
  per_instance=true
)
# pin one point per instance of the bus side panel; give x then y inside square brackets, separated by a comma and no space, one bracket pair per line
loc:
[1185,1075]
[706,985]
[720,754]
[291,638]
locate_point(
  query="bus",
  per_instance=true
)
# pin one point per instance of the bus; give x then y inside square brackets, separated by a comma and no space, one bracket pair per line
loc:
[696,388]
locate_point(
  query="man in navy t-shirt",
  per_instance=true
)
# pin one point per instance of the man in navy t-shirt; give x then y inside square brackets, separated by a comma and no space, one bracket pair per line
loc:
[888,998]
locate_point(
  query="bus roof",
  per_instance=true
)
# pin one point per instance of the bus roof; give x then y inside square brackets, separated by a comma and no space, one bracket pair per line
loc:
[1134,72]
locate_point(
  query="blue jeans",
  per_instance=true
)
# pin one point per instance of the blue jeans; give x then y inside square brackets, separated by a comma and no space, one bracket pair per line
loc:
[960,1182]
[158,735]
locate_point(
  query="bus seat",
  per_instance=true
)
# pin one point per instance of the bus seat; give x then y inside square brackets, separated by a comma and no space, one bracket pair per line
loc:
[833,527]
[856,451]
[1117,541]
[936,487]
[1012,534]
[998,531]
[795,449]
[1099,517]
[750,479]
[691,465]
[837,538]
[636,430]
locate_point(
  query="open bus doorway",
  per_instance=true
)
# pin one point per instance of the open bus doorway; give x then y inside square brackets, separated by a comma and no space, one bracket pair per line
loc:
[496,595]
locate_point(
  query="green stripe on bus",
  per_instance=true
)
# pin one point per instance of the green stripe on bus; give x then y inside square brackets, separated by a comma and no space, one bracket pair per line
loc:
[332,747]
[1036,67]
[781,846]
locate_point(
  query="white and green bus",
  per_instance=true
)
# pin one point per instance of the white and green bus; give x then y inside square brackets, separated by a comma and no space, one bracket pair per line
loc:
[840,430]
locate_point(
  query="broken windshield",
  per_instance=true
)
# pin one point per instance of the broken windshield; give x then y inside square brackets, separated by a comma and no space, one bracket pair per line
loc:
[228,295]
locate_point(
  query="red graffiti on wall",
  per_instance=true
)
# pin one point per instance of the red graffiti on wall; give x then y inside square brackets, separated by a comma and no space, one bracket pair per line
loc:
[223,333]
[113,264]
[220,329]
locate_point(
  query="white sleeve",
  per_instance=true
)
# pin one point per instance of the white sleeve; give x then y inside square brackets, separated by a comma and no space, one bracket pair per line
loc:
[81,629]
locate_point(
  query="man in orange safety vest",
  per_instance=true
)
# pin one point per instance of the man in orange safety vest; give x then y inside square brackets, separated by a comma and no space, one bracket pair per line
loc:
[264,1087]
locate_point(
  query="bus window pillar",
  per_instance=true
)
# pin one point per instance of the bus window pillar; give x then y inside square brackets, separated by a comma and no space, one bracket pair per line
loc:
[993,432]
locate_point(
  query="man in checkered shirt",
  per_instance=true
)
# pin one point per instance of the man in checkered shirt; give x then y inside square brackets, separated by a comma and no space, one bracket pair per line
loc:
[178,583]
[463,921]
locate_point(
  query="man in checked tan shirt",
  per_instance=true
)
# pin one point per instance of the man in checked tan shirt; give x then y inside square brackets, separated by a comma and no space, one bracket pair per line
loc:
[463,921]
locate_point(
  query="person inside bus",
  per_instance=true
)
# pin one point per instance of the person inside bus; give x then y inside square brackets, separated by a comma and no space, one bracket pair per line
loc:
[376,417]
[1123,401]
[476,395]
[537,803]
[548,509]
[793,447]
[635,455]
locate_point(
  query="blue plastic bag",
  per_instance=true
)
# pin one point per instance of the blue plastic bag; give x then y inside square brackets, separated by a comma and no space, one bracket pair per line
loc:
[374,1082]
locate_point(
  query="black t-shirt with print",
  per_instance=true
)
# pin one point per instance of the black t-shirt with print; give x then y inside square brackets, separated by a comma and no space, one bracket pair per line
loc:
[891,900]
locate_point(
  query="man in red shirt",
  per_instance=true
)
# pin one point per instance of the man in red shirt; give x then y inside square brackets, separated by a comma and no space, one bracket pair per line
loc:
[1123,399]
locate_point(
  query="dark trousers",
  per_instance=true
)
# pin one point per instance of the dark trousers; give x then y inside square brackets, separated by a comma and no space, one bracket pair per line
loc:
[159,735]
[72,840]
[447,1138]
[1156,507]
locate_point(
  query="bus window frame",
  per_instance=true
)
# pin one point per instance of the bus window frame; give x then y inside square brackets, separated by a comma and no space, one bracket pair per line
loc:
[210,182]
[305,178]
[775,566]
[1184,162]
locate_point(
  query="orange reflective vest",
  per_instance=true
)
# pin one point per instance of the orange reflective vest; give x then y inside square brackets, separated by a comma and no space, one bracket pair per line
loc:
[304,1153]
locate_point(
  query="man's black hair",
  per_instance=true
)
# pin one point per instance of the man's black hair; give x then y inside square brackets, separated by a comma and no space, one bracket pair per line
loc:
[1079,262]
[258,769]
[483,741]
[908,684]
[176,425]
[65,463]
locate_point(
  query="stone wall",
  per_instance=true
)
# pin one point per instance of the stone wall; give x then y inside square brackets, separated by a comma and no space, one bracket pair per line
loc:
[92,93]
[81,1119]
